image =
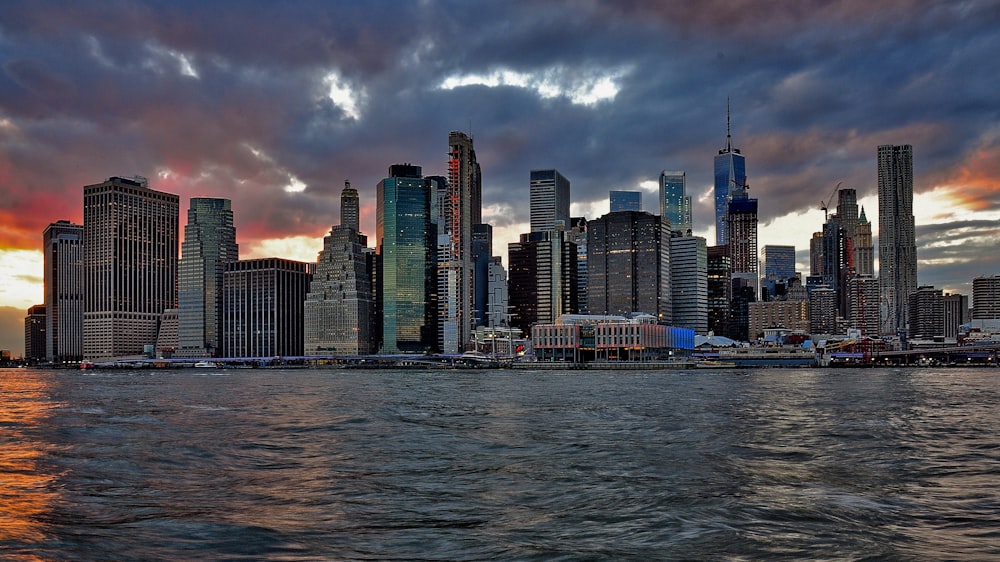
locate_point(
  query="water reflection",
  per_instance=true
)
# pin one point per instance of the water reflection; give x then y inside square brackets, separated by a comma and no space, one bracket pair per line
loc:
[26,492]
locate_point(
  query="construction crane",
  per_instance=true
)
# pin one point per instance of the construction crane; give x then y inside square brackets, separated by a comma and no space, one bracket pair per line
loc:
[825,205]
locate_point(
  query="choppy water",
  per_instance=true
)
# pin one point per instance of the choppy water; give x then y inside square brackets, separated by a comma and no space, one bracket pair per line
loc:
[318,465]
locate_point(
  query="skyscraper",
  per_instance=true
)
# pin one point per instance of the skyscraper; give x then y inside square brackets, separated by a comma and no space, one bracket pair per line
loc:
[542,278]
[720,289]
[549,200]
[742,226]
[986,297]
[730,174]
[463,208]
[130,265]
[626,201]
[628,262]
[34,334]
[689,282]
[406,274]
[864,250]
[482,255]
[209,244]
[63,249]
[897,250]
[779,268]
[675,203]
[340,307]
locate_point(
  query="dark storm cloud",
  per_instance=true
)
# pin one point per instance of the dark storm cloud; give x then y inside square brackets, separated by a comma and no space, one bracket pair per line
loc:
[228,99]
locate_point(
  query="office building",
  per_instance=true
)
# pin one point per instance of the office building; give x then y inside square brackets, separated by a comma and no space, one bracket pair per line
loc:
[675,203]
[549,200]
[407,268]
[742,221]
[628,262]
[626,201]
[498,299]
[168,336]
[956,313]
[339,312]
[130,260]
[63,275]
[689,282]
[719,289]
[823,311]
[986,297]
[730,174]
[209,244]
[779,268]
[541,278]
[578,235]
[262,303]
[790,314]
[482,255]
[816,255]
[34,334]
[897,250]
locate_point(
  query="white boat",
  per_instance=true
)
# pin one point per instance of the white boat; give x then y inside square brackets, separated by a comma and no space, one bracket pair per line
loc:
[205,364]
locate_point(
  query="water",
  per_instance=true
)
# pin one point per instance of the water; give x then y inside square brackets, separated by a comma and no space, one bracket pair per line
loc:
[317,465]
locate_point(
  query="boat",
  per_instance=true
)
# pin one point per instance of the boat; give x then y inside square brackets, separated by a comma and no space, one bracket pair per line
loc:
[205,364]
[714,365]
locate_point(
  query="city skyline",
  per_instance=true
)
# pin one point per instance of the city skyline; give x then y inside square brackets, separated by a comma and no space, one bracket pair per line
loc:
[206,110]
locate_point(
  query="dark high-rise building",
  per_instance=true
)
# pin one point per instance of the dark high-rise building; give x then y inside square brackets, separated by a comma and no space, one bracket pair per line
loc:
[864,249]
[406,271]
[339,311]
[34,334]
[209,244]
[130,237]
[463,208]
[897,249]
[719,289]
[482,255]
[63,249]
[542,278]
[675,203]
[262,307]
[730,174]
[779,267]
[578,235]
[816,255]
[863,306]
[926,313]
[628,265]
[823,311]
[689,282]
[549,200]
[742,221]
[626,201]
[956,313]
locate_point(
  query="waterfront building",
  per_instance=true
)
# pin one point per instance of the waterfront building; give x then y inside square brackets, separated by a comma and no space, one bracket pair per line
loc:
[628,261]
[730,173]
[580,338]
[863,304]
[63,279]
[791,314]
[130,262]
[549,200]
[209,244]
[956,313]
[407,267]
[689,282]
[823,311]
[34,334]
[262,307]
[926,313]
[168,336]
[986,297]
[864,248]
[719,290]
[626,201]
[542,278]
[675,203]
[897,250]
[340,307]
[463,208]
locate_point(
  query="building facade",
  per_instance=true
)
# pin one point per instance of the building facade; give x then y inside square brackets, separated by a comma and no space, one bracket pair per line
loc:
[926,313]
[863,304]
[407,267]
[897,250]
[864,248]
[64,282]
[628,262]
[719,290]
[626,201]
[262,302]
[541,278]
[986,297]
[549,200]
[34,334]
[730,173]
[689,282]
[463,208]
[209,244]
[675,203]
[130,261]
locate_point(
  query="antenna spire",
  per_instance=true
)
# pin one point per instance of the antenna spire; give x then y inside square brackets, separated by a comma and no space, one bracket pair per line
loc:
[729,136]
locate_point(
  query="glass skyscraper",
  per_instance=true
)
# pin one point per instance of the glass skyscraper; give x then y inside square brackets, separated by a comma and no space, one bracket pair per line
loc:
[626,201]
[63,248]
[406,265]
[209,244]
[675,203]
[549,200]
[730,174]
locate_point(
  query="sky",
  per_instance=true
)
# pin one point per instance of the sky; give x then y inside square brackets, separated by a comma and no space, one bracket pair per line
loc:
[275,104]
